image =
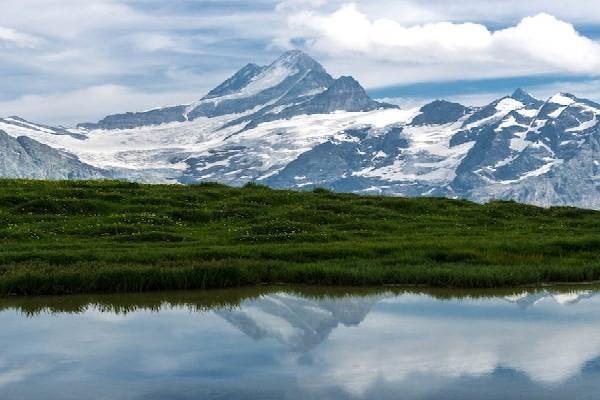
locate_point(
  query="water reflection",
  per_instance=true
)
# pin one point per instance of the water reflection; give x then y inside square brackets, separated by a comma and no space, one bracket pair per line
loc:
[299,323]
[525,300]
[276,343]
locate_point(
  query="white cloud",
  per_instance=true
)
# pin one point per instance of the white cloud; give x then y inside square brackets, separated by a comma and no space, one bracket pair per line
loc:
[444,50]
[152,42]
[10,37]
[495,11]
[67,19]
[121,43]
[580,11]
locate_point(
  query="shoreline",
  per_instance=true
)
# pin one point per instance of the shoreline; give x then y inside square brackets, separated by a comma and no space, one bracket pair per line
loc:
[234,297]
[126,280]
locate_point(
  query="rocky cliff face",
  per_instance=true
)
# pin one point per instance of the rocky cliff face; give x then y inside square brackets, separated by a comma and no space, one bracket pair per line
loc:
[23,157]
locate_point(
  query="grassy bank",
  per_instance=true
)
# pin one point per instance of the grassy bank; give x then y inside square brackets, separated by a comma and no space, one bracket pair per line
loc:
[83,237]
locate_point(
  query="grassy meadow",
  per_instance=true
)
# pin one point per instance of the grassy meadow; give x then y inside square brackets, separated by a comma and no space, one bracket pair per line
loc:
[109,236]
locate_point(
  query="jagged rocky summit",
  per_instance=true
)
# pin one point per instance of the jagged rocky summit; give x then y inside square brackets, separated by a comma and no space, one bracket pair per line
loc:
[292,125]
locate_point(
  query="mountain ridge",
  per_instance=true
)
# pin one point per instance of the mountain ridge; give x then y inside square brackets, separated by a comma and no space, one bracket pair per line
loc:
[292,125]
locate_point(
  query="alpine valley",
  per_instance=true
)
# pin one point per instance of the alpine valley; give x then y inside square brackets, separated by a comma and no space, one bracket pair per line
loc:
[292,125]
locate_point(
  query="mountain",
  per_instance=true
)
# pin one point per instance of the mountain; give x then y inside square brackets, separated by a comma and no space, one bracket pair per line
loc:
[294,77]
[291,124]
[23,157]
[36,151]
[546,155]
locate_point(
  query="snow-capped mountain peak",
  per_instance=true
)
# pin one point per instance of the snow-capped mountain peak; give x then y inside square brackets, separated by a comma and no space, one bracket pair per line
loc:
[526,98]
[297,59]
[253,79]
[252,91]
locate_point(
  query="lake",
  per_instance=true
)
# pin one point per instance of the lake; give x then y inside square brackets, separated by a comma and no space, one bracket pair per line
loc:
[303,343]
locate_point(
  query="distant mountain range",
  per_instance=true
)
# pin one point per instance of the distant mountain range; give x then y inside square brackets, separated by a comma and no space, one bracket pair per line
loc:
[292,125]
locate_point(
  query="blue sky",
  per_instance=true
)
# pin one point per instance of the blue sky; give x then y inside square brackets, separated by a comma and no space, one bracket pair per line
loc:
[68,61]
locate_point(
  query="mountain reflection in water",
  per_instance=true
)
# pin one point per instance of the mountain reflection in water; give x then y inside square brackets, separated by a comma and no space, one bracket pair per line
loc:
[280,343]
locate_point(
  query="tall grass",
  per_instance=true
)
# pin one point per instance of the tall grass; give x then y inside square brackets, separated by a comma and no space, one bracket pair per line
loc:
[84,237]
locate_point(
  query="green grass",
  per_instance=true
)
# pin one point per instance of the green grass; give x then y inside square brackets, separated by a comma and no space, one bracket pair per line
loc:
[91,237]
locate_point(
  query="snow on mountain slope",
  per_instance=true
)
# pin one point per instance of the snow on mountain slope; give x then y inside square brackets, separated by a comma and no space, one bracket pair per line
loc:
[239,80]
[429,156]
[18,126]
[292,125]
[201,150]
[428,153]
[295,83]
[528,142]
[261,152]
[265,79]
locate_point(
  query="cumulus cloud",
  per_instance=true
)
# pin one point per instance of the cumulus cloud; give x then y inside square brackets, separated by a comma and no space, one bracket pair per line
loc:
[537,44]
[493,11]
[503,11]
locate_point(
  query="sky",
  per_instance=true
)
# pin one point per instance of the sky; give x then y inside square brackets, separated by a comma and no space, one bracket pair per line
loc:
[70,61]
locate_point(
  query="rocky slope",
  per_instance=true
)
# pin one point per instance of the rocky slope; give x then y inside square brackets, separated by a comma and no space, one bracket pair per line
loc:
[23,157]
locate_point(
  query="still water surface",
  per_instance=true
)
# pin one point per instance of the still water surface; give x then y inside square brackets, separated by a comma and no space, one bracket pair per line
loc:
[285,343]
